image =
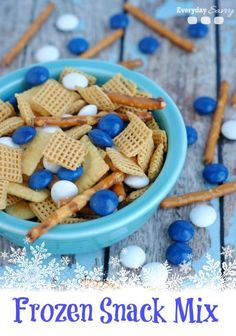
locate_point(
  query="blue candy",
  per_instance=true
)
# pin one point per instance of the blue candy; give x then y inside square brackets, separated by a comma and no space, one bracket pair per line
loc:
[111,124]
[104,202]
[148,45]
[204,105]
[37,75]
[12,100]
[191,135]
[181,231]
[23,135]
[77,45]
[197,30]
[70,175]
[178,253]
[40,179]
[215,173]
[100,138]
[119,20]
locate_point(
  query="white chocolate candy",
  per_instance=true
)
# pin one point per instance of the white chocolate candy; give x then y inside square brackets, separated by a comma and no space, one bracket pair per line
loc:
[48,129]
[74,80]
[203,215]
[88,110]
[52,167]
[228,129]
[132,256]
[136,182]
[47,53]
[67,22]
[7,141]
[154,275]
[62,190]
[66,115]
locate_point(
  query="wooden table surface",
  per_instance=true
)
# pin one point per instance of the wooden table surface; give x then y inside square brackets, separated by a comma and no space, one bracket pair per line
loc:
[184,76]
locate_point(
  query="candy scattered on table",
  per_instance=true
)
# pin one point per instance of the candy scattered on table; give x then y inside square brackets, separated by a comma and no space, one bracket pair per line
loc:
[37,75]
[52,167]
[228,129]
[104,202]
[119,20]
[136,182]
[74,80]
[70,175]
[203,215]
[197,30]
[88,110]
[148,44]
[132,256]
[23,135]
[40,179]
[111,124]
[205,105]
[178,253]
[192,135]
[47,53]
[62,190]
[8,142]
[181,231]
[67,22]
[154,274]
[100,138]
[215,173]
[77,45]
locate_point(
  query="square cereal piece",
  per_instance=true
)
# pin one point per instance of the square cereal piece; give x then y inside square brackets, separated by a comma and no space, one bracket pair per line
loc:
[9,125]
[65,151]
[6,111]
[3,194]
[119,83]
[10,164]
[53,99]
[43,210]
[131,140]
[95,95]
[24,107]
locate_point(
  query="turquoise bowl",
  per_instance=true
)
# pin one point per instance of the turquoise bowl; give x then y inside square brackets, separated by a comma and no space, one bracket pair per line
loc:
[93,235]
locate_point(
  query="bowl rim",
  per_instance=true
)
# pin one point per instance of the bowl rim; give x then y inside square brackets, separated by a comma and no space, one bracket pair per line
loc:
[175,158]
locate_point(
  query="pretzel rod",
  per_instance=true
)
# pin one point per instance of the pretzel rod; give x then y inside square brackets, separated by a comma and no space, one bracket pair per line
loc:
[29,33]
[76,204]
[199,196]
[160,28]
[119,189]
[79,120]
[132,64]
[233,100]
[139,102]
[102,44]
[214,132]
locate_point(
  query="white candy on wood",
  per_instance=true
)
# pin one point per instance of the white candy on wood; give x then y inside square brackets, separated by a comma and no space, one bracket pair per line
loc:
[67,22]
[47,53]
[132,256]
[228,129]
[203,215]
[154,275]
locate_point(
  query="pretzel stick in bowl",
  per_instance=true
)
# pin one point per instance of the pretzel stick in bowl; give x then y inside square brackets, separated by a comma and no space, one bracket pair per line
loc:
[76,204]
[139,102]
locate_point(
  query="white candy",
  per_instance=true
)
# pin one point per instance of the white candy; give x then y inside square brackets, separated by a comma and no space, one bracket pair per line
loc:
[8,142]
[67,22]
[88,110]
[154,275]
[66,115]
[63,189]
[132,256]
[52,167]
[228,129]
[136,182]
[48,129]
[47,53]
[74,80]
[203,215]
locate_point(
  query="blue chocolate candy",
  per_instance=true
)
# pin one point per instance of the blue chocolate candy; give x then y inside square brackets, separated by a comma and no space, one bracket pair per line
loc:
[70,175]
[191,135]
[40,179]
[178,253]
[77,45]
[37,75]
[148,44]
[100,138]
[204,105]
[104,202]
[119,20]
[197,30]
[181,231]
[23,135]
[111,124]
[215,173]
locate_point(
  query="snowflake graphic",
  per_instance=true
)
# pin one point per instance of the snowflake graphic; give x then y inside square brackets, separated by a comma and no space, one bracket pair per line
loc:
[4,255]
[185,268]
[228,251]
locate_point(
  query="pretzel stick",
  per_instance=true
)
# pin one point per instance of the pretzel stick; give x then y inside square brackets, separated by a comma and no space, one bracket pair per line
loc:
[29,33]
[132,64]
[233,100]
[102,44]
[160,28]
[79,120]
[199,196]
[140,102]
[119,189]
[214,132]
[76,204]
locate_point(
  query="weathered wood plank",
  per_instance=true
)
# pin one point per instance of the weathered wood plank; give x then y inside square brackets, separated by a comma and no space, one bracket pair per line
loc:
[185,76]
